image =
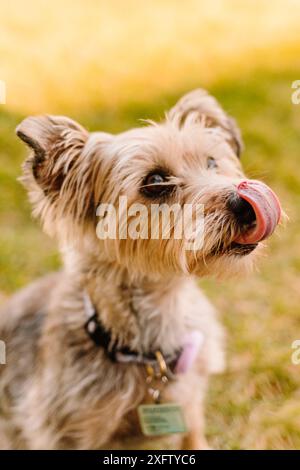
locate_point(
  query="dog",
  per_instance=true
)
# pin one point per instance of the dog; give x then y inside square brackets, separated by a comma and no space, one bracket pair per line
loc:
[122,341]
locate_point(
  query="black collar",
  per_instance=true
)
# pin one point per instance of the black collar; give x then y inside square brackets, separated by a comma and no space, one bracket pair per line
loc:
[103,338]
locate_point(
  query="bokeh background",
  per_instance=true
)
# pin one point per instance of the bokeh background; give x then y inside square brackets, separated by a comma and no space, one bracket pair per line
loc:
[107,64]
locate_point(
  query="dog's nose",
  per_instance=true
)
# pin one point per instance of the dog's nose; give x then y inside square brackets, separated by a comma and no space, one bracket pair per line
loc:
[242,210]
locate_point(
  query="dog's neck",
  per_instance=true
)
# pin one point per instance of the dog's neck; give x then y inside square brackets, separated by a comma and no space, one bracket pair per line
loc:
[141,312]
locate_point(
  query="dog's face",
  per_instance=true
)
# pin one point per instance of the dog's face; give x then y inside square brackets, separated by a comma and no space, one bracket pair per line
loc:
[191,161]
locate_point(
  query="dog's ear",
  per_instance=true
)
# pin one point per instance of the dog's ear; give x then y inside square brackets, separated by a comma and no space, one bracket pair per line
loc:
[206,107]
[59,172]
[50,137]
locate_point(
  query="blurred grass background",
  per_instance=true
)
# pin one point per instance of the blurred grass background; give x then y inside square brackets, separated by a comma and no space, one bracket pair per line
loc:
[107,64]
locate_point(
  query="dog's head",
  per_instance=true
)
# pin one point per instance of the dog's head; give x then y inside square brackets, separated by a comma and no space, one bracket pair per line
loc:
[164,198]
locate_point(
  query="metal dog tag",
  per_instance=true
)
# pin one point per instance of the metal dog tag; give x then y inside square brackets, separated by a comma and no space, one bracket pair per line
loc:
[160,419]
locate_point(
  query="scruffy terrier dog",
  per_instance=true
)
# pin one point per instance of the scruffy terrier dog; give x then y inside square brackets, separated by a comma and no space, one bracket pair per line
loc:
[118,346]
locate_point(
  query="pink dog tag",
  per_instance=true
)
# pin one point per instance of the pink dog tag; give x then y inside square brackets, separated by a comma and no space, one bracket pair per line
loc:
[192,344]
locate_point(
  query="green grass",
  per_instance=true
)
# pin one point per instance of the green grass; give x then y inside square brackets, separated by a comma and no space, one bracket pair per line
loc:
[255,404]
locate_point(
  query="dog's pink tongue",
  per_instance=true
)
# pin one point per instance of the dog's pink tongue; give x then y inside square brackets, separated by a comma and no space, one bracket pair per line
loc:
[267,209]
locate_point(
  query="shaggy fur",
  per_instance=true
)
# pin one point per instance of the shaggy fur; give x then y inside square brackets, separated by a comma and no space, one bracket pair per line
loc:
[60,391]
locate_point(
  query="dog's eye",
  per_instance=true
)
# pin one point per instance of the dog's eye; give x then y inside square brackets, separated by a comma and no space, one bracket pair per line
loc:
[211,163]
[156,184]
[155,179]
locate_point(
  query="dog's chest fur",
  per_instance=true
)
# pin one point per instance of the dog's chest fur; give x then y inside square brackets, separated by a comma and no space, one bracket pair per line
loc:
[73,389]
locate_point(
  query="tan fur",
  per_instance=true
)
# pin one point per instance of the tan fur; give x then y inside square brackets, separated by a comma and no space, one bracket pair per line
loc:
[60,391]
